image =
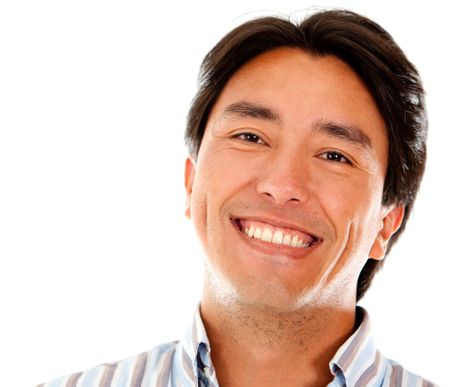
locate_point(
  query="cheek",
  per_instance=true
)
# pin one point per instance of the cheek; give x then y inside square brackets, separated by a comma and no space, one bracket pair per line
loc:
[198,210]
[225,173]
[351,204]
[216,180]
[230,165]
[339,197]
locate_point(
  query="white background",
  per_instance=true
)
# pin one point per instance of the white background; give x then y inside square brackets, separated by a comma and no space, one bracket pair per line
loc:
[97,261]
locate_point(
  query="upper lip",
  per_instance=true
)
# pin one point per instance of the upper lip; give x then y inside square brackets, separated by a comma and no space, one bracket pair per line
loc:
[282,223]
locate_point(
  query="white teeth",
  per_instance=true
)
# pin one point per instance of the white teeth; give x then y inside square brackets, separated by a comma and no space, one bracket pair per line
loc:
[267,235]
[277,237]
[301,244]
[294,241]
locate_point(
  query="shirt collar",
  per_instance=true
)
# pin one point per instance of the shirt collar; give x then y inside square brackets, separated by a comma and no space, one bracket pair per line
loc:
[196,345]
[356,354]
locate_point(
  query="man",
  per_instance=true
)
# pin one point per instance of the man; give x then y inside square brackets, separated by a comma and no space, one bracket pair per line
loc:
[307,148]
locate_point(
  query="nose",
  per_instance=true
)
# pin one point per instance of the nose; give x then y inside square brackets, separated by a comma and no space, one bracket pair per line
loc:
[284,179]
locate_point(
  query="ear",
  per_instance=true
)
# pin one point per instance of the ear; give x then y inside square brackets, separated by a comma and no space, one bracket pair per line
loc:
[390,223]
[189,176]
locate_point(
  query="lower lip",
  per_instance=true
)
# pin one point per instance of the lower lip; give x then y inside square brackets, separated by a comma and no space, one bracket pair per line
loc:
[273,249]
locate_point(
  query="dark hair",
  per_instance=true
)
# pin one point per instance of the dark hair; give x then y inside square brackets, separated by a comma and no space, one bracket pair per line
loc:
[372,53]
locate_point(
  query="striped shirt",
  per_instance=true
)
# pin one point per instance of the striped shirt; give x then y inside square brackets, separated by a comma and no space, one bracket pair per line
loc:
[187,363]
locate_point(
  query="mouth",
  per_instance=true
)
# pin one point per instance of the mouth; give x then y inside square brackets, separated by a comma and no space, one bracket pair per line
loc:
[275,234]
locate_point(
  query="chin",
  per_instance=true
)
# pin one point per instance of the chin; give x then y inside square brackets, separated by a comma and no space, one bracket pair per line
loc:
[275,300]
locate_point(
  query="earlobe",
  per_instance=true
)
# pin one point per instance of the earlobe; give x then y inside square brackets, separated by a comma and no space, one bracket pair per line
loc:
[391,222]
[189,176]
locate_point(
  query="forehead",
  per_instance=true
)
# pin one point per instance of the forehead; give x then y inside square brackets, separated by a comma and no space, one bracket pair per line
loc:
[303,89]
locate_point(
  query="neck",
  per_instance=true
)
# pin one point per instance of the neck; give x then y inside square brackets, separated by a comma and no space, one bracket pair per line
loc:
[272,347]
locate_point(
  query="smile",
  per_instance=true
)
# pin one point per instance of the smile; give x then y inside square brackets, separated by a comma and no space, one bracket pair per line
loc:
[270,233]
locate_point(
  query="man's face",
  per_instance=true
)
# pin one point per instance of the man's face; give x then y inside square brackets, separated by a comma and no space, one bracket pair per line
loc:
[286,192]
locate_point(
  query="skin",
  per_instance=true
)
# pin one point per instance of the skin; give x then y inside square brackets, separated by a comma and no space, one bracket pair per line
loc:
[281,313]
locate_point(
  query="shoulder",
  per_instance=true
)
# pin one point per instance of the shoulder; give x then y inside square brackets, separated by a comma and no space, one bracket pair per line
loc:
[131,371]
[397,375]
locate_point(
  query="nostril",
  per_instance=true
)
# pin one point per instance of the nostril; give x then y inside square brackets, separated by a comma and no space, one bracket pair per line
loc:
[272,198]
[268,195]
[282,191]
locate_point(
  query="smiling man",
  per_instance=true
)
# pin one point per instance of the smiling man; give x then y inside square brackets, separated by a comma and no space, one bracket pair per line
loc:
[307,148]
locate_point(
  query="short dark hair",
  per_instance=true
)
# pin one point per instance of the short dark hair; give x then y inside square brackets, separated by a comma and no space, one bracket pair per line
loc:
[372,53]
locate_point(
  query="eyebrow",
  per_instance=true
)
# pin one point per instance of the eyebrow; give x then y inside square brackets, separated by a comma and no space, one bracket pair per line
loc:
[349,133]
[244,109]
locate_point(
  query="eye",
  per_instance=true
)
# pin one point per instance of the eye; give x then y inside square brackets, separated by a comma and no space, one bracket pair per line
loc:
[249,137]
[336,157]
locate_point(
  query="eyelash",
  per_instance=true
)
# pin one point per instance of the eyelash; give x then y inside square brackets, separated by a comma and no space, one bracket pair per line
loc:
[329,155]
[245,137]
